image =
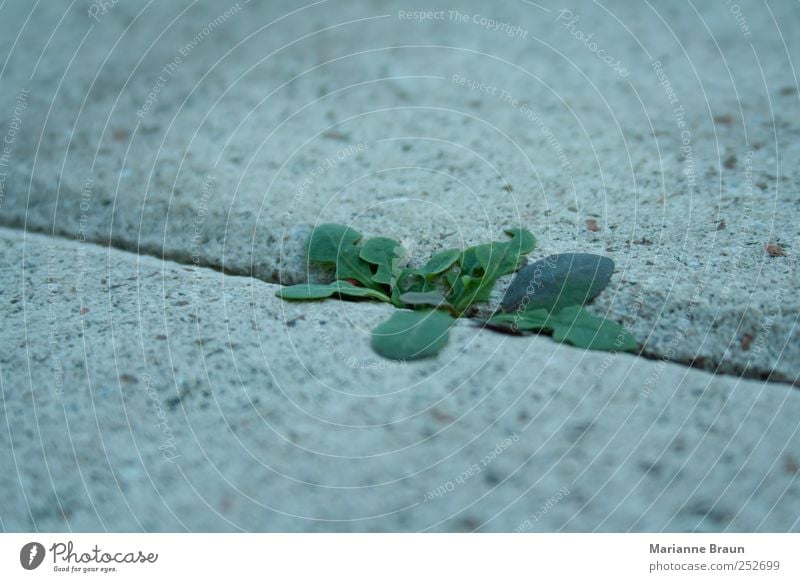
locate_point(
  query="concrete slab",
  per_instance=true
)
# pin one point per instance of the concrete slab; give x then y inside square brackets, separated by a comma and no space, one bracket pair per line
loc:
[147,395]
[216,133]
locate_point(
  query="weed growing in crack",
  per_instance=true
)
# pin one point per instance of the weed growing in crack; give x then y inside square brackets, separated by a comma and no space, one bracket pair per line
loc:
[545,297]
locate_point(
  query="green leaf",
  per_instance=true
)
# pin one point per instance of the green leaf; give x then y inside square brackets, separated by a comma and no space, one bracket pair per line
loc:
[305,292]
[335,244]
[309,291]
[409,335]
[523,239]
[482,265]
[439,262]
[558,281]
[498,258]
[386,253]
[536,320]
[575,326]
[468,290]
[572,325]
[327,240]
[467,285]
[349,265]
[410,282]
[469,262]
[405,282]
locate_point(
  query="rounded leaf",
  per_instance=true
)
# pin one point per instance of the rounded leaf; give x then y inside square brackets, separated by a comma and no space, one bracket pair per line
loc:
[326,241]
[524,241]
[558,281]
[409,335]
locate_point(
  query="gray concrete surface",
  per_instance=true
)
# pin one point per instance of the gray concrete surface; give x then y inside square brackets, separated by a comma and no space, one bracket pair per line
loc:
[215,134]
[139,394]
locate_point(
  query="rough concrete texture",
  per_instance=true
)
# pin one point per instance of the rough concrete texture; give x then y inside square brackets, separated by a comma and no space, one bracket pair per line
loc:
[216,133]
[146,395]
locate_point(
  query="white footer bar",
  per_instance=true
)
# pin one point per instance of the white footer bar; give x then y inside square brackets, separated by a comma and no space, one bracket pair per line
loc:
[401,557]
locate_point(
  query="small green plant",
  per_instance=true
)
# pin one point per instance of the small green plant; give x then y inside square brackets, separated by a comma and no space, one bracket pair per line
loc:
[545,297]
